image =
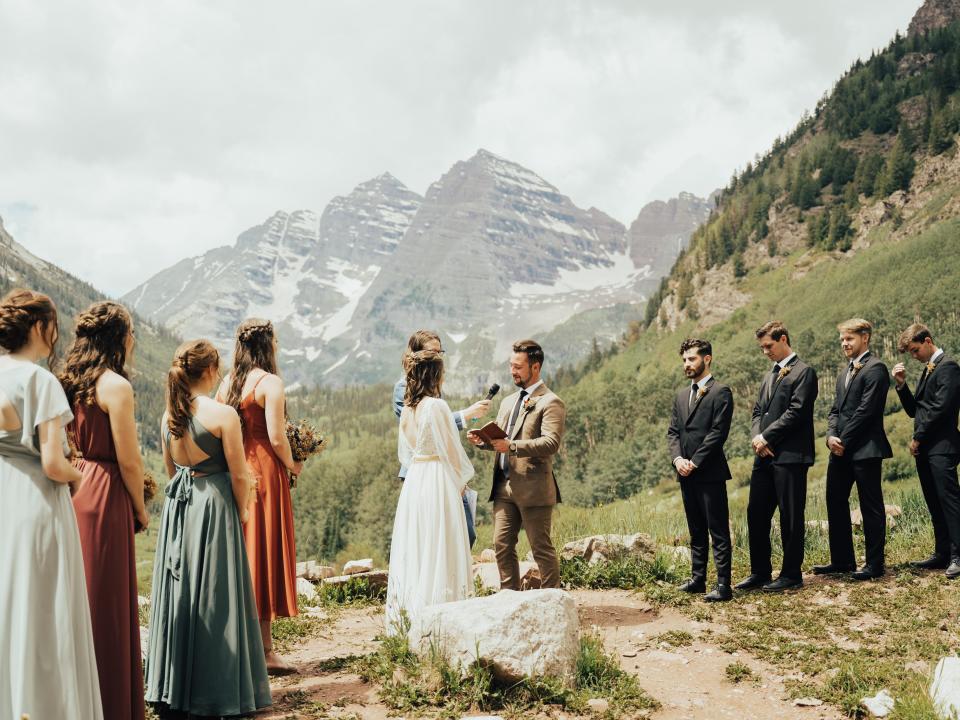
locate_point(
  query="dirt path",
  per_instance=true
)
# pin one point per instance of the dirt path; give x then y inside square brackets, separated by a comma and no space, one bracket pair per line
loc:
[689,681]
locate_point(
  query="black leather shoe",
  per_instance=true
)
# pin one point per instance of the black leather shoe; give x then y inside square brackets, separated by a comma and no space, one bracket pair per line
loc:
[694,586]
[934,562]
[783,583]
[753,582]
[833,569]
[721,593]
[868,573]
[954,569]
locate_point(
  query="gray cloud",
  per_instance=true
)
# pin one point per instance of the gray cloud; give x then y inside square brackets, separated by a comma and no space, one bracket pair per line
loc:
[133,134]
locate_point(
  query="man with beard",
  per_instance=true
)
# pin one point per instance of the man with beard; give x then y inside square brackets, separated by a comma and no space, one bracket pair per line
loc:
[699,426]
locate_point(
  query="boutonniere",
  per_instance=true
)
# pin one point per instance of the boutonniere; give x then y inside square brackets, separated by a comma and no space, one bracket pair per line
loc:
[701,392]
[529,404]
[857,367]
[931,367]
[784,371]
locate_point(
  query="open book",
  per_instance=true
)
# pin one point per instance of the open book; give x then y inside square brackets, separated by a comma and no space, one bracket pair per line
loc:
[489,432]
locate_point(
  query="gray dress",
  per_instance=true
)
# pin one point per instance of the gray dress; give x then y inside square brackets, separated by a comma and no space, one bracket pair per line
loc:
[48,668]
[205,654]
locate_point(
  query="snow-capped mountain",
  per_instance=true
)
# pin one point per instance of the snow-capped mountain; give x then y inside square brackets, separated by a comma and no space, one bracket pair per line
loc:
[491,254]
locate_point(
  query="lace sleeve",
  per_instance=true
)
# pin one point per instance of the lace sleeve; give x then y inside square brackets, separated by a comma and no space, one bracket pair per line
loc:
[447,441]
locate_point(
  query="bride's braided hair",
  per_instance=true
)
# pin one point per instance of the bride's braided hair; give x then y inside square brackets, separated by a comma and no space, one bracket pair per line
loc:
[424,371]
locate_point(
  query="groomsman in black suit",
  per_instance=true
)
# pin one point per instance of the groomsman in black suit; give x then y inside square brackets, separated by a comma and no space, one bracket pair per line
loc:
[783,443]
[858,445]
[698,429]
[934,408]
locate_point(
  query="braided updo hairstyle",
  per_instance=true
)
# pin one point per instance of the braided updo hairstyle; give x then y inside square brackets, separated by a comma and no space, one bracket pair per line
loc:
[254,349]
[20,311]
[100,345]
[191,360]
[424,371]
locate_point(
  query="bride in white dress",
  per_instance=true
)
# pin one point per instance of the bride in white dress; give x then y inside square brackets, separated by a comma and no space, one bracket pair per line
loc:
[430,559]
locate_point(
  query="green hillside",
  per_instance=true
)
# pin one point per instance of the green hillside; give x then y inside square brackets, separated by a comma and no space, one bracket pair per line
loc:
[155,345]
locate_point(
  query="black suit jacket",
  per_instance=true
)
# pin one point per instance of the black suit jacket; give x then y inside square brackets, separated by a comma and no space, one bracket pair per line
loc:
[935,407]
[783,414]
[857,413]
[698,434]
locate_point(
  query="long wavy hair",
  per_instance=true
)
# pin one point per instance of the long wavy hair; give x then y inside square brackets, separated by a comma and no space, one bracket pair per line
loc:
[254,349]
[100,344]
[191,360]
[20,310]
[424,370]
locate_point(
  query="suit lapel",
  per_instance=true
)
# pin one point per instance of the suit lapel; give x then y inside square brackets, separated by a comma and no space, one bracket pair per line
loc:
[925,375]
[843,387]
[523,413]
[779,379]
[696,403]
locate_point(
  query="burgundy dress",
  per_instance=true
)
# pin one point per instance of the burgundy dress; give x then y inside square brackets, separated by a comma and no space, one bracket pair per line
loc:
[105,519]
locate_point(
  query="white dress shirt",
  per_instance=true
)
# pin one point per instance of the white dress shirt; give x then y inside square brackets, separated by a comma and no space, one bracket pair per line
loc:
[509,430]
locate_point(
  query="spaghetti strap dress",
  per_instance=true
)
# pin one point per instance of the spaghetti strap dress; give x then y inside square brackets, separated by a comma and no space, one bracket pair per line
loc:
[205,654]
[105,519]
[48,668]
[269,531]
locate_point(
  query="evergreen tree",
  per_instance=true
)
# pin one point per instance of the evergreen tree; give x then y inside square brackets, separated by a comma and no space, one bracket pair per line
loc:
[938,139]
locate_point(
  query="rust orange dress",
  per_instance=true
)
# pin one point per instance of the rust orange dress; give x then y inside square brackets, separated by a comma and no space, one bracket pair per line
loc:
[105,520]
[269,531]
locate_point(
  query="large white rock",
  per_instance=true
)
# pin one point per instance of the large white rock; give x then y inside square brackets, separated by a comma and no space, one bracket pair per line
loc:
[358,566]
[314,571]
[306,588]
[945,688]
[515,634]
[880,705]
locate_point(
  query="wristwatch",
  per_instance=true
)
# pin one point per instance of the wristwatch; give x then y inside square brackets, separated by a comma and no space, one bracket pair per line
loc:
[513,448]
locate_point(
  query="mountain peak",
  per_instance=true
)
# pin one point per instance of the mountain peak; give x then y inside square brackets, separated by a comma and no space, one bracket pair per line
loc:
[934,14]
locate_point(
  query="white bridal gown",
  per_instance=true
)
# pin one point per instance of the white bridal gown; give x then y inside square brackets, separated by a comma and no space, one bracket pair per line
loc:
[48,669]
[430,559]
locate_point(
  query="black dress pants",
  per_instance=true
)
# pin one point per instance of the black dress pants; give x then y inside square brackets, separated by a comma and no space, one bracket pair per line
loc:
[773,487]
[705,504]
[842,475]
[941,491]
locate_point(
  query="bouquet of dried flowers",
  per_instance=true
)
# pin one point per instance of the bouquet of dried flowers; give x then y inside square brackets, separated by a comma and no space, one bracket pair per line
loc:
[149,487]
[305,441]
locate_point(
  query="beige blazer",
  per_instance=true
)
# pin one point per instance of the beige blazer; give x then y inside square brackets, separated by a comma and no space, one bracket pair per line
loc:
[537,435]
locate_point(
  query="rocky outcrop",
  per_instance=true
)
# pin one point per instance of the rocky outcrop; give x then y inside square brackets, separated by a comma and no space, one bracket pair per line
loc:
[934,14]
[514,634]
[663,229]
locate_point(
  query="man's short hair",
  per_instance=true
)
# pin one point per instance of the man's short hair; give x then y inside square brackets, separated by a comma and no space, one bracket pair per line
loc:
[702,347]
[918,332]
[856,326]
[775,329]
[531,348]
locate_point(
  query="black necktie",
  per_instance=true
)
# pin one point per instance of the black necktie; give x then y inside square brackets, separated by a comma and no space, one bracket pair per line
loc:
[693,394]
[849,374]
[513,420]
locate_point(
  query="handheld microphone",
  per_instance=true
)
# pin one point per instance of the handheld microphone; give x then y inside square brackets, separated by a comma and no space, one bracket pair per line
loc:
[494,389]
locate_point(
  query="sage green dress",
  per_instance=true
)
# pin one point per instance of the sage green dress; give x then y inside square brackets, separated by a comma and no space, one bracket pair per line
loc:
[205,654]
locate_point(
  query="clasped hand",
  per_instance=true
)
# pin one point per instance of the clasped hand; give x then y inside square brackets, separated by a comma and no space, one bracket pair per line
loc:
[761,448]
[684,467]
[836,447]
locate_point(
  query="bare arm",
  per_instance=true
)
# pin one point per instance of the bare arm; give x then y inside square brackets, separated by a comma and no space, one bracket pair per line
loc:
[167,458]
[241,479]
[116,397]
[274,407]
[223,390]
[54,463]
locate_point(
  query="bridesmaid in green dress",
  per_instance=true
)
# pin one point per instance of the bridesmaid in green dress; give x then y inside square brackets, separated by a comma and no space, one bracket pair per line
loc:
[205,654]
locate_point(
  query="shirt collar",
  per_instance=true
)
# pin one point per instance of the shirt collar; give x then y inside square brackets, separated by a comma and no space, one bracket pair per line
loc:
[529,390]
[936,355]
[786,361]
[861,357]
[703,381]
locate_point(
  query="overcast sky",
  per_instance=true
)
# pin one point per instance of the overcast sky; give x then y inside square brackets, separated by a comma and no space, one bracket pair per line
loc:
[133,134]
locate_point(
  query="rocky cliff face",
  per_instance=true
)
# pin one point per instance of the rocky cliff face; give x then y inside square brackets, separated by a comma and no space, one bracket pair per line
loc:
[492,253]
[934,14]
[663,229]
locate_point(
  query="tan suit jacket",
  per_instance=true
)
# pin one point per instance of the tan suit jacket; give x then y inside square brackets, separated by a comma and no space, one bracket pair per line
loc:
[537,435]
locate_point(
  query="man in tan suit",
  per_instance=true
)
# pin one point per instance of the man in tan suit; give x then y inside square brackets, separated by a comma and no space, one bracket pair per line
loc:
[524,486]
